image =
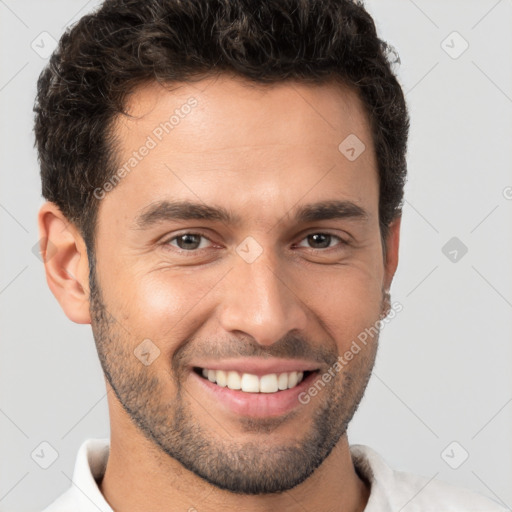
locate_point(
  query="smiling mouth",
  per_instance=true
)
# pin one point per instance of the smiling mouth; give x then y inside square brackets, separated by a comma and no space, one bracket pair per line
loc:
[250,383]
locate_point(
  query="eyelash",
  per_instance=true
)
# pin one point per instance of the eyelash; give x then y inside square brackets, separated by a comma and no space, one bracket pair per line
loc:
[194,252]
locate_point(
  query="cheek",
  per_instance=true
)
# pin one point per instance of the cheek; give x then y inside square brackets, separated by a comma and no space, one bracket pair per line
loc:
[347,299]
[163,305]
[170,305]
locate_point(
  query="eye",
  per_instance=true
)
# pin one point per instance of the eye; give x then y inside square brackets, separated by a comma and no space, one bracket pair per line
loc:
[323,240]
[192,242]
[187,241]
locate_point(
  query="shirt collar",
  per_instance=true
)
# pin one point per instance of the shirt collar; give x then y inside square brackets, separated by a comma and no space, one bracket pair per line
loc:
[90,467]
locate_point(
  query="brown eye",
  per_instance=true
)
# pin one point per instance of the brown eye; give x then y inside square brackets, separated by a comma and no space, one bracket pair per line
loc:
[188,241]
[322,240]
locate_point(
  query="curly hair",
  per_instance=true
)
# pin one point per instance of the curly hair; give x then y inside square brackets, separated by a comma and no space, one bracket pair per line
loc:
[126,43]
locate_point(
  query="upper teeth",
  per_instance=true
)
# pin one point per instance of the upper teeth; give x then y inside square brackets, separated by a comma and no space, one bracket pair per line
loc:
[250,383]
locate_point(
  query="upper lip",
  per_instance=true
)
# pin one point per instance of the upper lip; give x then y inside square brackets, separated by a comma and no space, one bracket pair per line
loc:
[259,366]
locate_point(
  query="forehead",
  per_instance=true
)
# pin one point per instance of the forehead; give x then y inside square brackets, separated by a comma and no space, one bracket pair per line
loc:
[230,139]
[240,110]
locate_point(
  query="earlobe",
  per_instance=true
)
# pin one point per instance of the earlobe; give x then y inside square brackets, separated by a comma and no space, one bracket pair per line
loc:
[65,260]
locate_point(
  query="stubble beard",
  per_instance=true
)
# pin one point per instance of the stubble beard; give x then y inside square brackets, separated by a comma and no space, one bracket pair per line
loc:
[247,468]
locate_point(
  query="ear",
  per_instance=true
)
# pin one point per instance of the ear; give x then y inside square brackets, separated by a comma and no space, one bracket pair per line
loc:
[392,247]
[65,261]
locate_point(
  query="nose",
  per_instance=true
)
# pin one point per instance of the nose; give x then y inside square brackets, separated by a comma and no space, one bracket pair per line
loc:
[258,300]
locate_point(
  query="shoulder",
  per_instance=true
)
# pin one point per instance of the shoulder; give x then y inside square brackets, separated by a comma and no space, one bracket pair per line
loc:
[408,492]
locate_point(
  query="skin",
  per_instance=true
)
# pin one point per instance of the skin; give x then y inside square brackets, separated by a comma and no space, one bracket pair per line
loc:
[259,152]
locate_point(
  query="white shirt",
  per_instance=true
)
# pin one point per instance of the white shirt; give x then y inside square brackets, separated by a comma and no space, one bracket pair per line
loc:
[391,491]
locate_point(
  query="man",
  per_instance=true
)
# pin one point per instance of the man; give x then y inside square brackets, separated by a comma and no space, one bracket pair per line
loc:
[271,138]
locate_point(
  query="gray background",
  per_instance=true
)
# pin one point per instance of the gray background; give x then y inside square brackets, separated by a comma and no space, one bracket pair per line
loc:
[443,371]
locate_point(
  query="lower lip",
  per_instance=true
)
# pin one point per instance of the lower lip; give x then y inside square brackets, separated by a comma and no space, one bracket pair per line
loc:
[256,405]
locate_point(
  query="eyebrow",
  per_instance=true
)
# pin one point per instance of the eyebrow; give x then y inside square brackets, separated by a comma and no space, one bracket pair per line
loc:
[163,211]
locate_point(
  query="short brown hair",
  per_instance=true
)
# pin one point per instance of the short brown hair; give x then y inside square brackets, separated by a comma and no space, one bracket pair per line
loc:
[125,43]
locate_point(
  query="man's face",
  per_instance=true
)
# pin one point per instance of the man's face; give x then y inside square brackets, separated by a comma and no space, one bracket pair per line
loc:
[269,294]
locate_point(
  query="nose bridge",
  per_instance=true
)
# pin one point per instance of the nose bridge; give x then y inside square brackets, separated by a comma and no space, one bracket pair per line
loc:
[257,299]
